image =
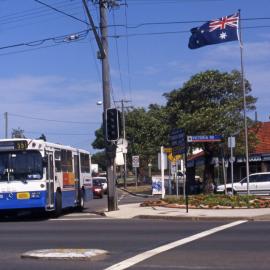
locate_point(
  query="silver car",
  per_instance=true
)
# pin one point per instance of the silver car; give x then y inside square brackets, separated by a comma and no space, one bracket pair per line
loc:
[259,184]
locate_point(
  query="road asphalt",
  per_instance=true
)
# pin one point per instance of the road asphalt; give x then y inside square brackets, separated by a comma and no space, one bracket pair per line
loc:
[129,211]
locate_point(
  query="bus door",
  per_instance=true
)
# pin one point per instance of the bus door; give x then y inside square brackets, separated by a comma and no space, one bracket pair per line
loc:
[77,177]
[50,180]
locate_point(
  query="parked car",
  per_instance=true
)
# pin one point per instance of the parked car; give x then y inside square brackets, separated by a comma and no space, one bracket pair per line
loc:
[259,184]
[97,189]
[103,181]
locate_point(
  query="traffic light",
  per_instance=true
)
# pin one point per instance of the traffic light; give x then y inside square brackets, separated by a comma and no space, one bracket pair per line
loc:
[112,124]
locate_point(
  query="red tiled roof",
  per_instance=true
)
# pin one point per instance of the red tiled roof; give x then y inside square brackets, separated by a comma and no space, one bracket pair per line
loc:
[263,136]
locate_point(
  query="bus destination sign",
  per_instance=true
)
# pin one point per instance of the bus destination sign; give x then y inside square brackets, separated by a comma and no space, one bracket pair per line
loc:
[13,145]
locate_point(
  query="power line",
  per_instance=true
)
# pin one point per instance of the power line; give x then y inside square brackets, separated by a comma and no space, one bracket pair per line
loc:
[56,133]
[56,39]
[82,35]
[127,51]
[118,59]
[52,120]
[178,22]
[15,19]
[61,12]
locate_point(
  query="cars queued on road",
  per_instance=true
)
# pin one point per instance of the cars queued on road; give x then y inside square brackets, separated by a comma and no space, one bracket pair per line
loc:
[97,189]
[100,186]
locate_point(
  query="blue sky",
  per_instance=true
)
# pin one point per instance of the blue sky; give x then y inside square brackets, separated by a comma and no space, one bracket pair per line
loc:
[62,82]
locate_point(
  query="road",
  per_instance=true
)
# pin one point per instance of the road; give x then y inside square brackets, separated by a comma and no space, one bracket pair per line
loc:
[101,205]
[244,246]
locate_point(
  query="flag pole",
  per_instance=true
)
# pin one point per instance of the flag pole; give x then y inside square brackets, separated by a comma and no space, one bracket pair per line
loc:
[244,98]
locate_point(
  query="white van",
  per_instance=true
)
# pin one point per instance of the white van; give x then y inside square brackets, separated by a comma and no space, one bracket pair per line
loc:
[259,184]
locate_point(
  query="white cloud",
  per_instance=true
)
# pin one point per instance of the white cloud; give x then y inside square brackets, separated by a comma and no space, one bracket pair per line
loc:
[54,98]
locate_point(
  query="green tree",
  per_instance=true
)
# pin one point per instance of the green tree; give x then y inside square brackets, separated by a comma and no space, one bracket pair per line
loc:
[210,102]
[146,131]
[100,159]
[99,142]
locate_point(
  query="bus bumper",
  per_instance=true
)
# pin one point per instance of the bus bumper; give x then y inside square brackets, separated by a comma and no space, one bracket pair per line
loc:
[22,200]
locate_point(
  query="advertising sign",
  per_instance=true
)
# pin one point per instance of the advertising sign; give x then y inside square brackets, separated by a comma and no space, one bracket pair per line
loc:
[156,185]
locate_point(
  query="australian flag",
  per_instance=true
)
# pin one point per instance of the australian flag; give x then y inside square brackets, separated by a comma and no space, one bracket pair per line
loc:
[216,31]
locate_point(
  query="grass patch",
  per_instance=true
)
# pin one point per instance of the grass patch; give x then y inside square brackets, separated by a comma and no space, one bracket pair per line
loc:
[143,189]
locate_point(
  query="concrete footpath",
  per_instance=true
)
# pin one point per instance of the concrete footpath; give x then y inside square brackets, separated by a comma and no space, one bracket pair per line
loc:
[129,211]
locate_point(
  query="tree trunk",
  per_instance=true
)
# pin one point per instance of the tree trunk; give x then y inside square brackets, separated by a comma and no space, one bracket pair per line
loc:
[209,178]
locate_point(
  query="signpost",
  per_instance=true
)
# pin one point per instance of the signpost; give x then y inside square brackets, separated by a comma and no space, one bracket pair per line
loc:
[179,147]
[231,145]
[136,164]
[204,138]
[178,141]
[135,161]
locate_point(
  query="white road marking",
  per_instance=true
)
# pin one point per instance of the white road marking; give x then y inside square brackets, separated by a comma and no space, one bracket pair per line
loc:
[63,253]
[80,214]
[77,219]
[121,197]
[150,253]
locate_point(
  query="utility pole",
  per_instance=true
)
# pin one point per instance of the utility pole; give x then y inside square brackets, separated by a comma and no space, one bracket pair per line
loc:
[104,56]
[6,124]
[122,101]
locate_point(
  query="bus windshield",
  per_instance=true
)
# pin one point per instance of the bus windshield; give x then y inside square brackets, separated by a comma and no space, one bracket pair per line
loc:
[20,165]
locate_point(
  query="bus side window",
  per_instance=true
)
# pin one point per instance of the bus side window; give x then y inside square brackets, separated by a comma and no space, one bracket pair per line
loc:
[57,158]
[85,166]
[64,160]
[69,161]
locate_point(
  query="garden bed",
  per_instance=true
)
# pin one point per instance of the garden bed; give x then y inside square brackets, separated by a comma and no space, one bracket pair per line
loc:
[211,201]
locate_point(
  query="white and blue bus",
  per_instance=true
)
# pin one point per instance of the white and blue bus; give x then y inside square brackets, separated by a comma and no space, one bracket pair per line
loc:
[39,175]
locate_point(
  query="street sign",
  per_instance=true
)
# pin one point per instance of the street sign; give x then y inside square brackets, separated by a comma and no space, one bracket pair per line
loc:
[231,142]
[165,161]
[174,158]
[135,161]
[178,141]
[167,150]
[204,138]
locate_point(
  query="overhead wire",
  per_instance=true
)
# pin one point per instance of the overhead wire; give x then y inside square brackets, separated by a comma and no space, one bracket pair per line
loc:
[27,16]
[61,12]
[51,120]
[93,52]
[127,52]
[75,36]
[56,133]
[118,59]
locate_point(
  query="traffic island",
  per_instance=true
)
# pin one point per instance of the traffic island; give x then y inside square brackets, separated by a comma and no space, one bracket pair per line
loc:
[211,201]
[66,254]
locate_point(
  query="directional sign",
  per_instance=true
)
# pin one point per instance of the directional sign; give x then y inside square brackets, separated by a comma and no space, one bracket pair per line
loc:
[178,141]
[204,138]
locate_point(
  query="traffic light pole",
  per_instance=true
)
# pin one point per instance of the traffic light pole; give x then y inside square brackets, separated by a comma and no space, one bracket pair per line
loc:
[104,56]
[110,151]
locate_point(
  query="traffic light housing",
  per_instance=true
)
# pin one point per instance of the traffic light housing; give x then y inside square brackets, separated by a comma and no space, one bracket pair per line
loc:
[112,124]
